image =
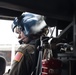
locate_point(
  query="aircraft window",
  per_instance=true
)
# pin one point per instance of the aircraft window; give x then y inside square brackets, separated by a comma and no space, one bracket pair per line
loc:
[52,31]
[59,31]
[8,42]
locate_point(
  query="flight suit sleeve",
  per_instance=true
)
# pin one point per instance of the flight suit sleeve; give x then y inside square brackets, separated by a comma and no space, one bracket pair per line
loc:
[23,61]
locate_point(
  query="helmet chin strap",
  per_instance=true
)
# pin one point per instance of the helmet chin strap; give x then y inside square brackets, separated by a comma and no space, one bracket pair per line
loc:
[20,42]
[30,37]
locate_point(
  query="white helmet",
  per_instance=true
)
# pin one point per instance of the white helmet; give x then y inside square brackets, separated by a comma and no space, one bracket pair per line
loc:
[31,23]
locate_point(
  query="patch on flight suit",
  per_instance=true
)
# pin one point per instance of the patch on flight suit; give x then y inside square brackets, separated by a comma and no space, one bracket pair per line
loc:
[18,56]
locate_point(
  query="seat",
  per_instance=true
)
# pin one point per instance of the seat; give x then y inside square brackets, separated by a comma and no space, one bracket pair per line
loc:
[2,65]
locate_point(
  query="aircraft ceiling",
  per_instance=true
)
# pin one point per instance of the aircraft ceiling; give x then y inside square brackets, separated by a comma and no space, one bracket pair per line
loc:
[57,12]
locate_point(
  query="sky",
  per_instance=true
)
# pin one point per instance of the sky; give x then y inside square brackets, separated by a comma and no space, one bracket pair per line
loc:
[6,34]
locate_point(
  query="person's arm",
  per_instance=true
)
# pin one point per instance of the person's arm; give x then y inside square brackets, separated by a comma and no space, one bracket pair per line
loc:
[22,62]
